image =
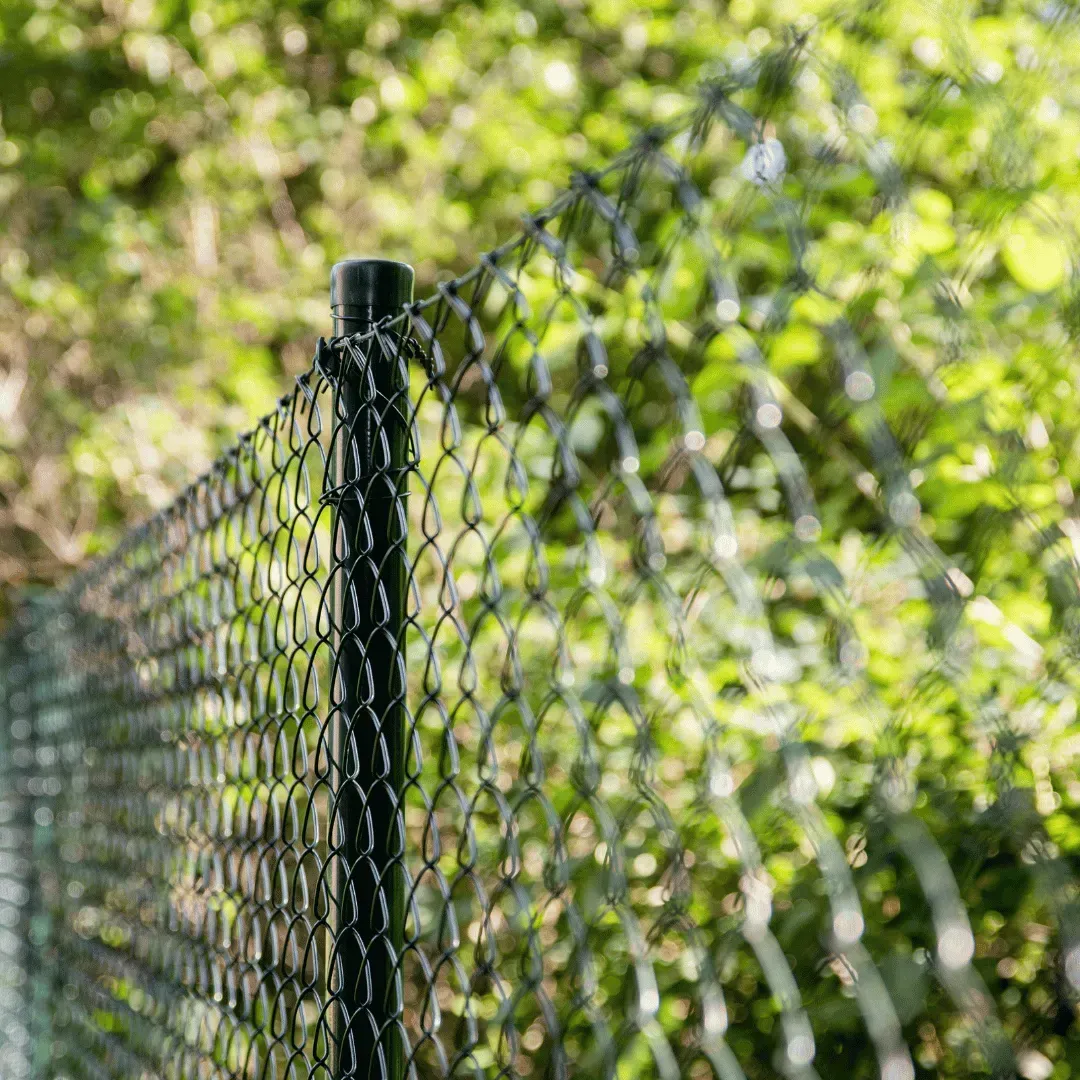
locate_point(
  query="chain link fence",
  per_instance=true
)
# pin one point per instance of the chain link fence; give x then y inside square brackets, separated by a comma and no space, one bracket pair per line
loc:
[595,668]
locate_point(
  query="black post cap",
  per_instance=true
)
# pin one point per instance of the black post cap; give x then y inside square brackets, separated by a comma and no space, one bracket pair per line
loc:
[360,287]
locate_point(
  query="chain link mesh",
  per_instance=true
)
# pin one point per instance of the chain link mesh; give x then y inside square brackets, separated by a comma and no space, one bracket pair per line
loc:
[608,725]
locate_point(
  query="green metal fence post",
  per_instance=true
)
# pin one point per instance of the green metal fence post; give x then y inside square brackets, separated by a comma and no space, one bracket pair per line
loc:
[370,529]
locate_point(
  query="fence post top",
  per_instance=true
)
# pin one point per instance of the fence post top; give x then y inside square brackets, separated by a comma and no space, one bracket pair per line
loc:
[369,289]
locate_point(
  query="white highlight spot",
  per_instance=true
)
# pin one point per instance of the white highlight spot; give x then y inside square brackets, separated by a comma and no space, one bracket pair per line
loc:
[294,41]
[862,118]
[848,927]
[859,386]
[898,1067]
[769,415]
[803,787]
[715,1016]
[721,784]
[1038,437]
[928,51]
[727,310]
[559,78]
[1032,1065]
[765,162]
[956,947]
[824,774]
[726,547]
[960,581]
[807,528]
[392,92]
[904,509]
[800,1050]
[1072,966]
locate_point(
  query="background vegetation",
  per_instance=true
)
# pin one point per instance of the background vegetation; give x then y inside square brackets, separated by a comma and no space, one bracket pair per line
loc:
[178,178]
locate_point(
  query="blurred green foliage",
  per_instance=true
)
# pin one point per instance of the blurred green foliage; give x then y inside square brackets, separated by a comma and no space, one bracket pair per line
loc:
[177,179]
